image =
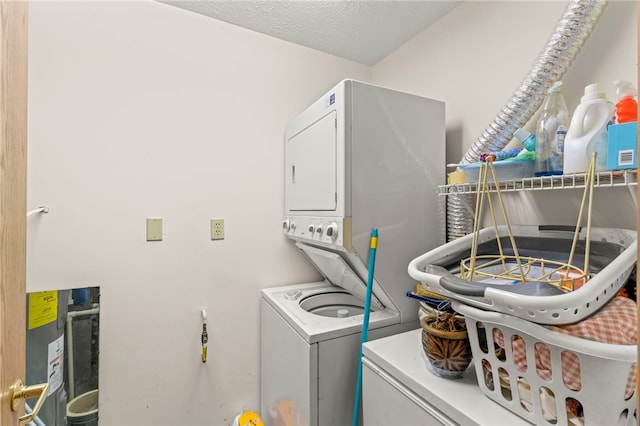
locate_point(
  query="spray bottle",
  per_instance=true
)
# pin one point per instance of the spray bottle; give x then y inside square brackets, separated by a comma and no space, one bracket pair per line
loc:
[626,106]
[550,133]
[588,132]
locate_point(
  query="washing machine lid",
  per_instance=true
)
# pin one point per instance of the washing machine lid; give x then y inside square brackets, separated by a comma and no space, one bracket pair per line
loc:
[334,268]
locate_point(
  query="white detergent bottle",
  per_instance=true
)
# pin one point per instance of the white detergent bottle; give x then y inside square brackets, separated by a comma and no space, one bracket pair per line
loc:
[588,132]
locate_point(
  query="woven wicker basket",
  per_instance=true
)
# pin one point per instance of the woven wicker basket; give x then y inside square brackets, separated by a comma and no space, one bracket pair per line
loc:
[448,352]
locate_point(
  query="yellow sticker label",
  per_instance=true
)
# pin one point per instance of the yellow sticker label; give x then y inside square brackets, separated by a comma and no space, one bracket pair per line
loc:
[43,308]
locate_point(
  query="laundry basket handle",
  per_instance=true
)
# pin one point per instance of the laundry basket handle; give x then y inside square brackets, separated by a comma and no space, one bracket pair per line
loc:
[462,287]
[454,284]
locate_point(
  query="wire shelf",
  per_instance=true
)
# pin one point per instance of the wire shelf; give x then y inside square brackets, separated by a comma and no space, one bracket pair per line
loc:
[611,178]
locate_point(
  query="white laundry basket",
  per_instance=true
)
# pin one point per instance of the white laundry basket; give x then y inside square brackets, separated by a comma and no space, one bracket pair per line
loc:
[604,372]
[614,250]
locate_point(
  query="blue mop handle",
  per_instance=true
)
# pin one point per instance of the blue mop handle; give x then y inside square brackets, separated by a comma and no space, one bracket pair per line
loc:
[365,322]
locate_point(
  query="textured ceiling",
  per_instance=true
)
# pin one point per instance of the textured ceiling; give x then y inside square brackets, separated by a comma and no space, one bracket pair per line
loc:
[364,31]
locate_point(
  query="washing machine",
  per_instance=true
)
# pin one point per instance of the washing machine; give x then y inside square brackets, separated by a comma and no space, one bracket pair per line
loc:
[360,157]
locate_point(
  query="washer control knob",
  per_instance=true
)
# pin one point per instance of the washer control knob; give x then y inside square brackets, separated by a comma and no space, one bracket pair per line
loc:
[311,228]
[285,225]
[319,229]
[292,226]
[332,230]
[342,313]
[292,294]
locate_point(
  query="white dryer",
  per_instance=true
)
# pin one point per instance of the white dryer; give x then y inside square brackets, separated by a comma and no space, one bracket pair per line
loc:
[360,157]
[399,389]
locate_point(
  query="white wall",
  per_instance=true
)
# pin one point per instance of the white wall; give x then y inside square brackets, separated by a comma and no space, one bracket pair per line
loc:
[141,110]
[475,58]
[136,110]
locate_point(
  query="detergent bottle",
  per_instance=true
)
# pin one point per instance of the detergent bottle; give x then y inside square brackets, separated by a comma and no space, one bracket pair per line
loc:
[626,106]
[588,132]
[550,133]
[527,139]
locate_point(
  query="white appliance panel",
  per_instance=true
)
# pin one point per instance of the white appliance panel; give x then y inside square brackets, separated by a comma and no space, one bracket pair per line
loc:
[311,167]
[395,369]
[387,398]
[289,370]
[337,373]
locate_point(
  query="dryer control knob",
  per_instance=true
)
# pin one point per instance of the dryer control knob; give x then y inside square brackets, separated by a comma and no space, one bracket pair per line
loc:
[285,225]
[311,228]
[292,294]
[292,226]
[319,229]
[332,230]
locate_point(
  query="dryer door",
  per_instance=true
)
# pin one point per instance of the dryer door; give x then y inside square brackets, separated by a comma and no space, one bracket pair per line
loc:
[311,167]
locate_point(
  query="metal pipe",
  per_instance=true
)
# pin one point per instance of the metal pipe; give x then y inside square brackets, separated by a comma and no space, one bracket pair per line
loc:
[70,316]
[37,421]
[459,215]
[561,49]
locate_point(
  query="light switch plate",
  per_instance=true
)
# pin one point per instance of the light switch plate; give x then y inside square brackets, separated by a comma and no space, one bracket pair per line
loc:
[154,229]
[217,229]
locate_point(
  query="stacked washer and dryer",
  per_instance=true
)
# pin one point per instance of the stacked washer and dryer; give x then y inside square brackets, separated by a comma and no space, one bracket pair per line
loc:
[360,157]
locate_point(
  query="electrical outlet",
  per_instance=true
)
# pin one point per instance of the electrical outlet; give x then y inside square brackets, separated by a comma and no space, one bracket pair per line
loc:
[217,229]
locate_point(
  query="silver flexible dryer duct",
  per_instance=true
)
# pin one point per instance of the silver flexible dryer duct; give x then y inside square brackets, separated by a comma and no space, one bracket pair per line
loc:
[564,44]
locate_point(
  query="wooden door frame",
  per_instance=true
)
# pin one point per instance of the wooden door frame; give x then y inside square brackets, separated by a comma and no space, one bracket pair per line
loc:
[13,197]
